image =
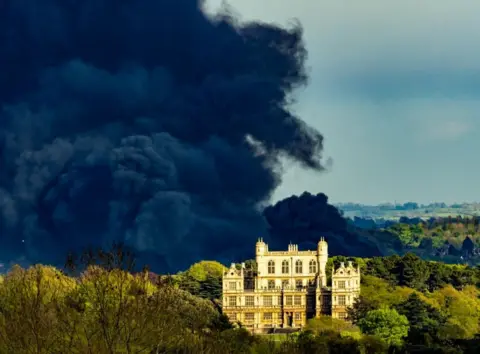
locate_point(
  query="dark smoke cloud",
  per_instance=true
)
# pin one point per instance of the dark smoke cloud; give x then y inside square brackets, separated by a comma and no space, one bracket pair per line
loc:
[142,121]
[304,219]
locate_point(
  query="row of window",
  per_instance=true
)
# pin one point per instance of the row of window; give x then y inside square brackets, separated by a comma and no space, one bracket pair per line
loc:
[312,267]
[232,286]
[286,283]
[341,284]
[289,300]
[268,300]
[267,316]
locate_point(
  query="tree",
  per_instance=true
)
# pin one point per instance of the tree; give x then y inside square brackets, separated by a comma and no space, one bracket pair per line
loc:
[360,308]
[386,324]
[468,246]
[425,321]
[203,279]
[29,299]
[202,270]
[413,272]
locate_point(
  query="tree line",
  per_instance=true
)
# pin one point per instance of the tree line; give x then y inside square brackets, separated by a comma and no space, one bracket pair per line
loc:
[104,306]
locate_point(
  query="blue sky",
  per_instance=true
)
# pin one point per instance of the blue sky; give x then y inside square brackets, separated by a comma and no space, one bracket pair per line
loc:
[394,89]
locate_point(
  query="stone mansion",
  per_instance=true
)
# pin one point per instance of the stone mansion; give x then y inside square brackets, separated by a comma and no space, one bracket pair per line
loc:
[288,288]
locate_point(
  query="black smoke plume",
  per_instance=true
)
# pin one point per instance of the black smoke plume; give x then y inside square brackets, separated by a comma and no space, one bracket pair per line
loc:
[304,219]
[145,122]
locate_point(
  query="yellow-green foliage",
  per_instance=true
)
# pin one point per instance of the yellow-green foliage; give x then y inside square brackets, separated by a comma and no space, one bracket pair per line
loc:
[45,311]
[29,301]
[380,290]
[327,323]
[201,270]
[461,307]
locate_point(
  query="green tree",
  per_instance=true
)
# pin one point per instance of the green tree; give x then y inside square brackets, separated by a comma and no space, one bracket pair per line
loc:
[361,307]
[386,324]
[203,279]
[425,321]
[413,272]
[202,270]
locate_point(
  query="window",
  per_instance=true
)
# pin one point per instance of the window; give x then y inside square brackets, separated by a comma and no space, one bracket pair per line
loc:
[233,316]
[267,301]
[298,316]
[342,315]
[279,300]
[232,301]
[249,316]
[298,267]
[232,285]
[341,284]
[267,316]
[341,299]
[297,300]
[271,284]
[249,301]
[284,284]
[285,267]
[288,300]
[271,267]
[312,266]
[299,284]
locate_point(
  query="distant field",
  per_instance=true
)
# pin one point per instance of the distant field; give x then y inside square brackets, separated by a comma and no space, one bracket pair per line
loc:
[424,213]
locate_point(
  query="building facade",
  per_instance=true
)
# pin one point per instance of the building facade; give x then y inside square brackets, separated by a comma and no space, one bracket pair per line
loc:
[288,288]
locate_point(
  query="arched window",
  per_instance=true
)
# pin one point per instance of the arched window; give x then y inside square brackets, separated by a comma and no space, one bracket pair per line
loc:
[271,284]
[312,266]
[285,267]
[271,267]
[299,284]
[298,267]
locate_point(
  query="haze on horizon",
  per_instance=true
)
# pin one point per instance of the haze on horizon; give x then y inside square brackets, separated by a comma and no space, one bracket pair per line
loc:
[394,89]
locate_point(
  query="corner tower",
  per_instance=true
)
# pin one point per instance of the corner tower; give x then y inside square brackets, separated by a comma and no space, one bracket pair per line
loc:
[261,249]
[322,251]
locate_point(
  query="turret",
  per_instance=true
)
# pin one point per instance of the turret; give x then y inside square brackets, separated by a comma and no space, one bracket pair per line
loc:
[322,246]
[322,251]
[261,247]
[261,250]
